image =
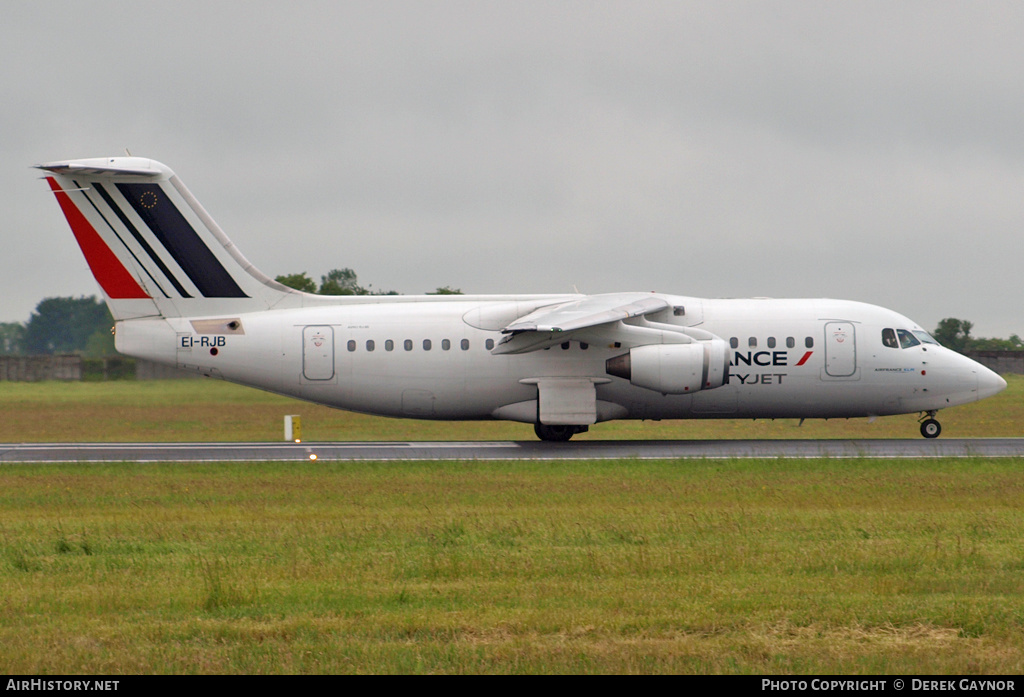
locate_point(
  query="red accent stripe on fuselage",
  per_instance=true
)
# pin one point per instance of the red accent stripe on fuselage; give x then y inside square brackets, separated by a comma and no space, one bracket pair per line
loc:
[804,359]
[108,270]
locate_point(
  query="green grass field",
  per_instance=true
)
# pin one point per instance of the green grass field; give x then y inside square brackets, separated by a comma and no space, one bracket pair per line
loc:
[211,410]
[743,566]
[780,567]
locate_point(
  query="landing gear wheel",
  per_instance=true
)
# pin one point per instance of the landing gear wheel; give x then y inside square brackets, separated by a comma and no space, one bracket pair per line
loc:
[930,428]
[554,434]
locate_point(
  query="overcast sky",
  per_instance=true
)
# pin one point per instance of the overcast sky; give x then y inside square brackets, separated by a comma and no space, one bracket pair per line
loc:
[859,150]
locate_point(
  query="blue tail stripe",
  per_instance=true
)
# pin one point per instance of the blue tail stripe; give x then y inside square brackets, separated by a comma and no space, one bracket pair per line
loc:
[179,238]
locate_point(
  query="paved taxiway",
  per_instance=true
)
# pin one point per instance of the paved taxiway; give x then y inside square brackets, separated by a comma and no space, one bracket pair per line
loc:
[508,450]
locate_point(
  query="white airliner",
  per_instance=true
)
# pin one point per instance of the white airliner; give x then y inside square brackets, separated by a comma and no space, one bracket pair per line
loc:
[183,295]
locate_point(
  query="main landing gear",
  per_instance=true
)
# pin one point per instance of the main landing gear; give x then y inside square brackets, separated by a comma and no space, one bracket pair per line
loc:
[930,428]
[557,434]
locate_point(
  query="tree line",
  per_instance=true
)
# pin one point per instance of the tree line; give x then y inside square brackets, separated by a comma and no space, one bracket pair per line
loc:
[956,334]
[61,325]
[84,325]
[343,282]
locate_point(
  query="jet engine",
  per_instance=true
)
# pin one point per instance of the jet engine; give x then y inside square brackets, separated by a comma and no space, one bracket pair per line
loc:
[674,368]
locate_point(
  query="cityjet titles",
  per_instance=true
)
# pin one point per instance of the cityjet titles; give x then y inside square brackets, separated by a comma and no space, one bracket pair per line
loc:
[757,378]
[764,359]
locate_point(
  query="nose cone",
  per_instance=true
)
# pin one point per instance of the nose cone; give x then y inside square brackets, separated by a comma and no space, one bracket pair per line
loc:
[989,383]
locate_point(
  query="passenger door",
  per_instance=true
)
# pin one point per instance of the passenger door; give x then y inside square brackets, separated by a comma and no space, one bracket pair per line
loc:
[840,349]
[318,352]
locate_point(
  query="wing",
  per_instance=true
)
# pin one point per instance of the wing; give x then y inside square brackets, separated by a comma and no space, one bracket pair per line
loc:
[554,324]
[588,312]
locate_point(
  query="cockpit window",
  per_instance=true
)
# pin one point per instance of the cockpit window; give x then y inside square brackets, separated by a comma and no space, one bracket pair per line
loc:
[907,339]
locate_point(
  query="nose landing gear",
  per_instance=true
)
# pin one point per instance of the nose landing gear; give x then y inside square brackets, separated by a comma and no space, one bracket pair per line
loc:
[930,428]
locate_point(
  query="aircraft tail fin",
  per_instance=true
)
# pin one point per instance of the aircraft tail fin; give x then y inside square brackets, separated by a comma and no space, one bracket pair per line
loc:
[153,249]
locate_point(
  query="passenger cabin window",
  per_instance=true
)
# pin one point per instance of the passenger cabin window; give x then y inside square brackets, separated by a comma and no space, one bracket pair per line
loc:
[351,344]
[790,342]
[771,342]
[809,342]
[734,342]
[446,345]
[752,342]
[426,344]
[408,344]
[465,344]
[389,345]
[489,344]
[370,345]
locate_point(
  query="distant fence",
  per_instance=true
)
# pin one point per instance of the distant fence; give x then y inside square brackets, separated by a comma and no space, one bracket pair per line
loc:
[73,368]
[148,370]
[36,368]
[999,361]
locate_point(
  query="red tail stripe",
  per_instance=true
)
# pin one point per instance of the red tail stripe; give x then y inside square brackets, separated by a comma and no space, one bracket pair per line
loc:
[108,270]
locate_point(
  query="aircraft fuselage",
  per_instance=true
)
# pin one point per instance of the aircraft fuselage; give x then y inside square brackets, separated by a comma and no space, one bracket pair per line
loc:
[787,358]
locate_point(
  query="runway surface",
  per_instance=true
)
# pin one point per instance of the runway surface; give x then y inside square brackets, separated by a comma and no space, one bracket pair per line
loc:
[509,450]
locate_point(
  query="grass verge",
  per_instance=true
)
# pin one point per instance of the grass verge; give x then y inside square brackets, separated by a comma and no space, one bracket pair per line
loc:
[744,566]
[210,410]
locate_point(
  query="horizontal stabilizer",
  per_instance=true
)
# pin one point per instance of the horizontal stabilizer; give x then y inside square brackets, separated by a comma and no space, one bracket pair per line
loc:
[99,166]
